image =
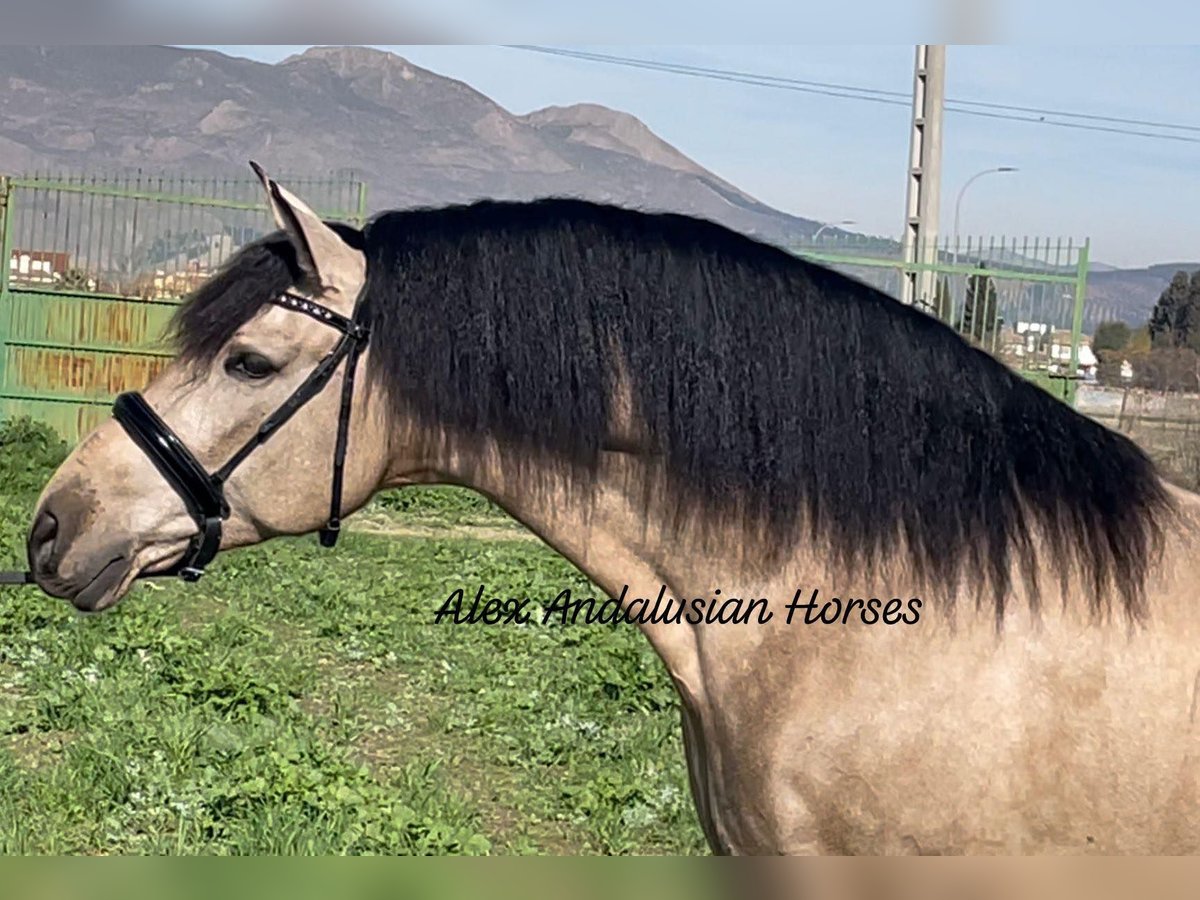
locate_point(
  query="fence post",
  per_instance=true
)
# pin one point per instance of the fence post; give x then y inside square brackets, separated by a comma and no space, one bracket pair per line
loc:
[1081,276]
[5,262]
[362,203]
[5,252]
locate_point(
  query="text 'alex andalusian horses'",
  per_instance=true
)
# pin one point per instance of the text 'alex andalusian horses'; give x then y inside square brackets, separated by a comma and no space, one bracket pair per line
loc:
[998,649]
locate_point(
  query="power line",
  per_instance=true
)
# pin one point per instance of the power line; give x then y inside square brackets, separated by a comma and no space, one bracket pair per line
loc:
[892,98]
[718,75]
[703,70]
[903,95]
[1093,117]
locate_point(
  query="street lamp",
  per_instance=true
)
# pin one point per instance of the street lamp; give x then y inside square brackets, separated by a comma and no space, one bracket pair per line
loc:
[817,233]
[958,202]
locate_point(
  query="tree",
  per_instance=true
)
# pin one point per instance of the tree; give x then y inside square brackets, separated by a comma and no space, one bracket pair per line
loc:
[1166,369]
[1173,320]
[1192,338]
[1110,336]
[979,313]
[1139,341]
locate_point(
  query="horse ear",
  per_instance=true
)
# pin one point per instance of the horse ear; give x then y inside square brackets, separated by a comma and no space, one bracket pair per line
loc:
[325,259]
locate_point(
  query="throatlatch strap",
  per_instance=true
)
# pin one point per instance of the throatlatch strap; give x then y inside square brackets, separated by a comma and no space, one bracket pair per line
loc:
[329,534]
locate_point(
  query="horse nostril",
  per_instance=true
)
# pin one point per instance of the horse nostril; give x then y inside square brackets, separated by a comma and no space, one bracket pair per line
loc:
[41,540]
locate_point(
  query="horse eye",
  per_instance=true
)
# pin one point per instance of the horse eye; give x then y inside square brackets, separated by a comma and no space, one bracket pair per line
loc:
[252,366]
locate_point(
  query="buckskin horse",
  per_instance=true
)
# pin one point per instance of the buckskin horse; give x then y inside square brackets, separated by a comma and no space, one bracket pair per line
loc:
[669,404]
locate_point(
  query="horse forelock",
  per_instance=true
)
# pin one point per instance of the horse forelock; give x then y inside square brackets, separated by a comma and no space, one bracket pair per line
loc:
[251,278]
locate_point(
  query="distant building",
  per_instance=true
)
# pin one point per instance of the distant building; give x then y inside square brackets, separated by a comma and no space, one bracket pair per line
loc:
[38,266]
[1061,354]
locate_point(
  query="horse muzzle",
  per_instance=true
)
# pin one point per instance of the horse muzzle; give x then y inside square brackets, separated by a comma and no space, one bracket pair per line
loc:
[91,581]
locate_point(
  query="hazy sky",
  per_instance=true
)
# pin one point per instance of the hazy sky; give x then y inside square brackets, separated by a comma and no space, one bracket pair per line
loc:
[830,159]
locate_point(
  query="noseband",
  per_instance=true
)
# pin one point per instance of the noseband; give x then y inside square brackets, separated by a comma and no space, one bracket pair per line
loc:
[204,494]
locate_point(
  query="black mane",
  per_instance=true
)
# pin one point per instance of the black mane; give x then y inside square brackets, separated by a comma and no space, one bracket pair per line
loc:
[773,388]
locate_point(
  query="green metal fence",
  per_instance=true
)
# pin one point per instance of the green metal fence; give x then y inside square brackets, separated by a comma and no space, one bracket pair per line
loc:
[1021,300]
[92,266]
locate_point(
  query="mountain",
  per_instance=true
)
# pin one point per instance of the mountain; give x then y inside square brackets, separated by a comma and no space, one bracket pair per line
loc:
[417,138]
[1128,295]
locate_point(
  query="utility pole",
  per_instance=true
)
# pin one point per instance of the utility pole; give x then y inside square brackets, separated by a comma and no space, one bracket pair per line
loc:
[919,242]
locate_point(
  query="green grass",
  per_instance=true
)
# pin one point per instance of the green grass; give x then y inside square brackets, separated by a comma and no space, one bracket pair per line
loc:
[300,700]
[440,505]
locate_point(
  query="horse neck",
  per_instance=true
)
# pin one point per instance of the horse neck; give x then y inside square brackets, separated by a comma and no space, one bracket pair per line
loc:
[611,535]
[600,527]
[619,538]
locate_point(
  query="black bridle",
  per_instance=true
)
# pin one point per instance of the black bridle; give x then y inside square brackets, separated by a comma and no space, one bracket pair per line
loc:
[204,494]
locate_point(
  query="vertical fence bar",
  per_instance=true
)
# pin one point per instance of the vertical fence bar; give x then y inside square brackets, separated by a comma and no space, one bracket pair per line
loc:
[6,216]
[209,191]
[85,260]
[1081,276]
[1072,260]
[133,235]
[362,204]
[178,239]
[37,241]
[7,212]
[72,212]
[98,225]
